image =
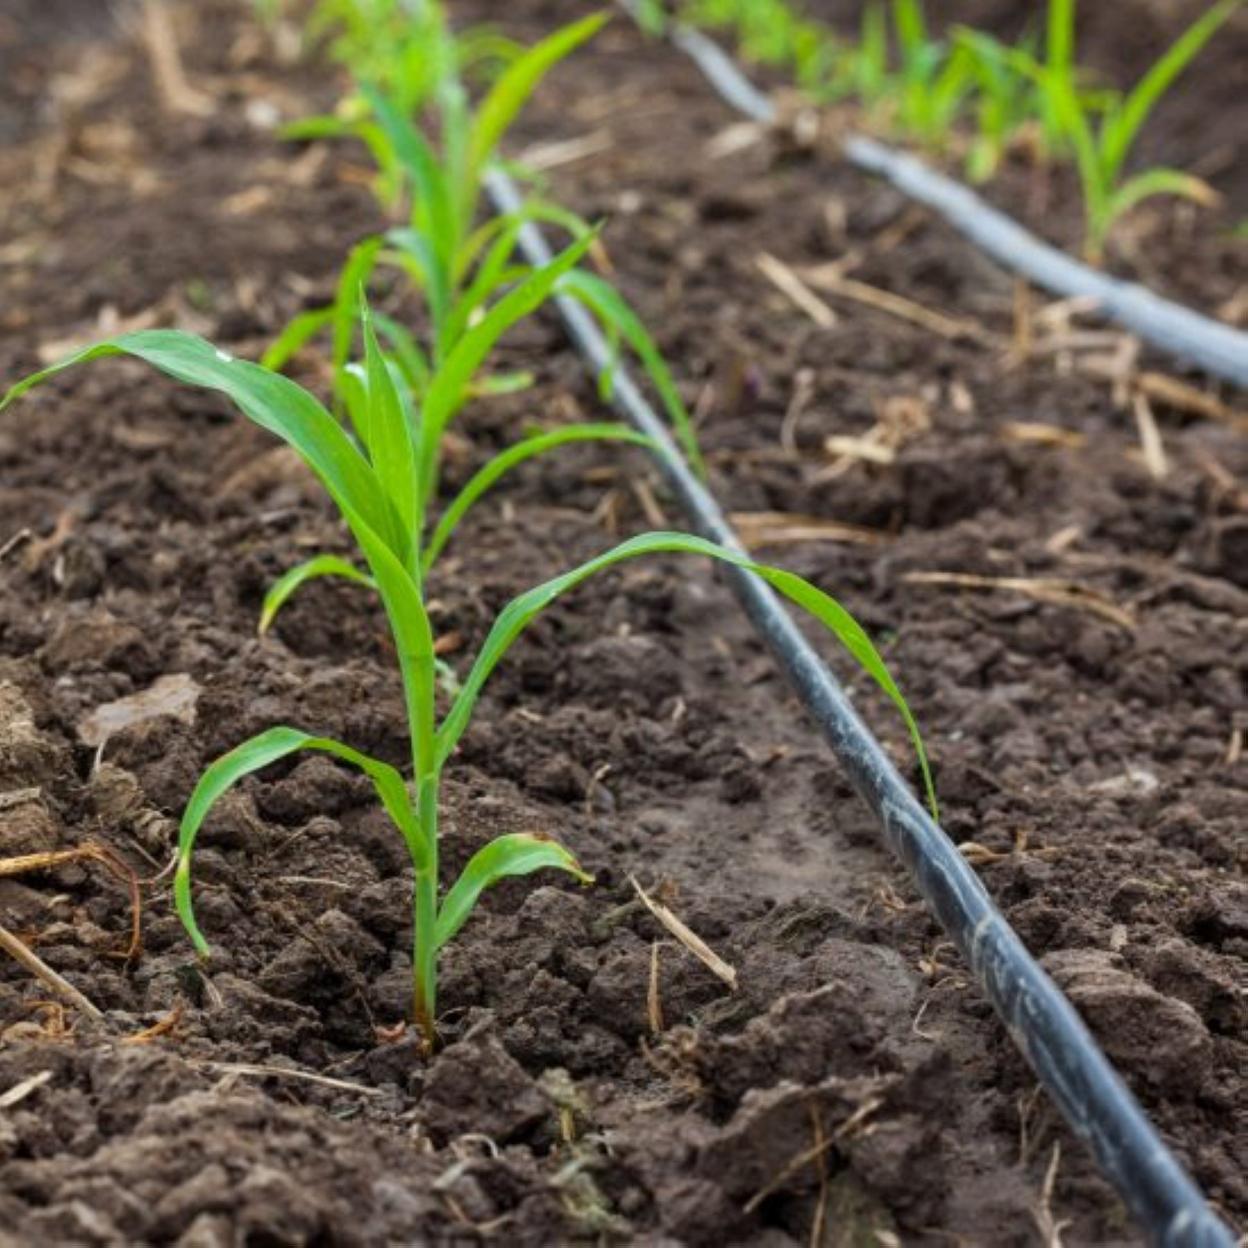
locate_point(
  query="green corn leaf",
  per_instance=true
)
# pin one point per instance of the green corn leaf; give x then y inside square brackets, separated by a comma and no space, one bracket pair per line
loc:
[368,132]
[321,126]
[1159,182]
[259,752]
[651,17]
[502,383]
[446,390]
[354,278]
[277,404]
[455,116]
[390,446]
[433,206]
[274,402]
[610,307]
[301,330]
[510,93]
[498,239]
[353,395]
[1121,128]
[1068,112]
[533,210]
[538,444]
[419,255]
[1060,37]
[871,67]
[519,853]
[419,162]
[518,613]
[310,570]
[412,362]
[483,45]
[911,31]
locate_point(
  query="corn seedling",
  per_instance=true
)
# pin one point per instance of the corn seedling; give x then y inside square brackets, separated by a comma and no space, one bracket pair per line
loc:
[933,80]
[1005,103]
[377,484]
[770,32]
[1101,145]
[1004,88]
[467,274]
[921,98]
[394,43]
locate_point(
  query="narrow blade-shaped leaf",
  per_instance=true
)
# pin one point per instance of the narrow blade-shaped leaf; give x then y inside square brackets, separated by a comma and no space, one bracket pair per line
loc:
[418,254]
[390,445]
[519,853]
[277,404]
[433,203]
[1121,129]
[298,576]
[353,279]
[1160,182]
[537,444]
[274,402]
[259,752]
[405,351]
[521,78]
[446,390]
[301,330]
[533,209]
[493,384]
[610,306]
[517,614]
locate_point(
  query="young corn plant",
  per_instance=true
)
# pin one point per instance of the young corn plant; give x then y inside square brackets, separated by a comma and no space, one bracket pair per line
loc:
[1005,103]
[467,273]
[394,43]
[377,484]
[1101,144]
[921,98]
[933,80]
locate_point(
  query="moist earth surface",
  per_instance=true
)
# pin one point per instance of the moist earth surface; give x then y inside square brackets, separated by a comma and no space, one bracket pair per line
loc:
[1081,688]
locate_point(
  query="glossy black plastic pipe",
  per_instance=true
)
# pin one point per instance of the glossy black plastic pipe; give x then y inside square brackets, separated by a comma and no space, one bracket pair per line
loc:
[1043,1024]
[1217,348]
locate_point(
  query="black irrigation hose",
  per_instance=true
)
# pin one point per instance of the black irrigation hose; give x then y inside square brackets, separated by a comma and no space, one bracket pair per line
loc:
[1087,1089]
[1213,346]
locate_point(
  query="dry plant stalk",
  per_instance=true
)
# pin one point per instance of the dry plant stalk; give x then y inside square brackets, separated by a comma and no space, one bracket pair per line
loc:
[176,93]
[1150,438]
[20,952]
[782,528]
[830,278]
[687,937]
[90,852]
[20,1091]
[1037,433]
[1050,590]
[654,1003]
[795,290]
[162,1027]
[814,1153]
[900,418]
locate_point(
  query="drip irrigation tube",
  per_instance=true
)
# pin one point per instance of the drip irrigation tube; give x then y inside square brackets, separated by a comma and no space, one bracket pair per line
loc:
[1088,1091]
[1217,348]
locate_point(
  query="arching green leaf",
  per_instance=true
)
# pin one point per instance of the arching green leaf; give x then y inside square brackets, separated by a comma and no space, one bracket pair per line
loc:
[518,613]
[310,570]
[259,752]
[519,853]
[610,307]
[537,444]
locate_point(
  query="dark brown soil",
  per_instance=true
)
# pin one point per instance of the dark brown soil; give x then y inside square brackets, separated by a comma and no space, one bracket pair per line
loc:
[639,722]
